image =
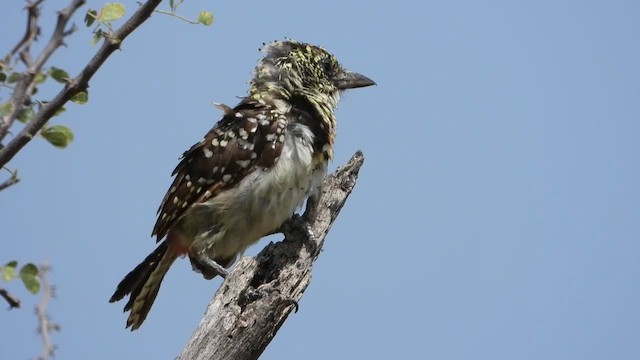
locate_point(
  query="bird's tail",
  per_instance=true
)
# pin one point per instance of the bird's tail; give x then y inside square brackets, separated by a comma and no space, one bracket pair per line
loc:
[143,284]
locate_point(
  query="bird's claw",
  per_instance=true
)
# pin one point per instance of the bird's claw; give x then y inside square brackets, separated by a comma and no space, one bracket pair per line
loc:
[214,266]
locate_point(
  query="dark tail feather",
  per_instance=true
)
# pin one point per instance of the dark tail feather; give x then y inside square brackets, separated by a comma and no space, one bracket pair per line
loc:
[143,284]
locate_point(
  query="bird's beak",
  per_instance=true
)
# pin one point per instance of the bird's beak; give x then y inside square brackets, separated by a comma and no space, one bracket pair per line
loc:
[351,80]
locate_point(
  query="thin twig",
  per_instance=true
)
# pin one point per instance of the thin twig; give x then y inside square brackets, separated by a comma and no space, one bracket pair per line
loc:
[44,322]
[20,92]
[79,83]
[30,35]
[12,300]
[14,179]
[177,16]
[32,32]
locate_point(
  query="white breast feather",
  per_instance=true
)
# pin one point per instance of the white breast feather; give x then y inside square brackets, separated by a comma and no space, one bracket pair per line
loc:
[263,200]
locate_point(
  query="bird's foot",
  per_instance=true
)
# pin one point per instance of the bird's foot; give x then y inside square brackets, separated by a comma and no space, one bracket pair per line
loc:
[295,224]
[212,266]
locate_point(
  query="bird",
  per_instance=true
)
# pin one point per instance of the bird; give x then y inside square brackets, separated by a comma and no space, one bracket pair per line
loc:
[250,172]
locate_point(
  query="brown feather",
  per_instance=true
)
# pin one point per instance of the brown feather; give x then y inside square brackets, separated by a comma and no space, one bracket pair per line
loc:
[247,136]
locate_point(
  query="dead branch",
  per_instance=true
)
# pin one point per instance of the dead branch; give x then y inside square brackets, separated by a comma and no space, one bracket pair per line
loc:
[45,326]
[256,298]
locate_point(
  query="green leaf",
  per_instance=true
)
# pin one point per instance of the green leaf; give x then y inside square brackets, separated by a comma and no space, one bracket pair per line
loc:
[25,115]
[29,276]
[40,78]
[90,17]
[3,77]
[111,12]
[205,18]
[59,111]
[97,35]
[58,75]
[14,77]
[59,136]
[80,98]
[6,108]
[9,270]
[174,4]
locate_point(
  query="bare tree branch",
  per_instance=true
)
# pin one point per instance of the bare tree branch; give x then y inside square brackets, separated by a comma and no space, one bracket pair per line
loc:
[79,83]
[32,32]
[20,92]
[256,298]
[45,326]
[12,300]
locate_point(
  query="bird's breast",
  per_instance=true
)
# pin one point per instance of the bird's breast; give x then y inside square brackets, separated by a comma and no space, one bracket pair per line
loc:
[267,197]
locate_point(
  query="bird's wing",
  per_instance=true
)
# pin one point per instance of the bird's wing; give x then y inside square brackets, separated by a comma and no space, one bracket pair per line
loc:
[248,137]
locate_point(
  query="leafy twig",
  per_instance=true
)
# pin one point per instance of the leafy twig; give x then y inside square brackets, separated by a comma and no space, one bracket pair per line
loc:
[80,83]
[20,92]
[30,35]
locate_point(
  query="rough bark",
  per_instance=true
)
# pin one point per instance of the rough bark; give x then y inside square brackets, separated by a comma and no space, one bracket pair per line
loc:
[258,296]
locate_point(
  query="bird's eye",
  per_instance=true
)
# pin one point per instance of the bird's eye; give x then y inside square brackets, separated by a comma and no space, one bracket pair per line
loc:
[327,66]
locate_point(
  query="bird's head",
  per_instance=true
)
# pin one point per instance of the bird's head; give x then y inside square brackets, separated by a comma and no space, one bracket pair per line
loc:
[292,69]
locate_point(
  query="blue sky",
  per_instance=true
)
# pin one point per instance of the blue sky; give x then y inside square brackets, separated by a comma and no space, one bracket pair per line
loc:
[497,215]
